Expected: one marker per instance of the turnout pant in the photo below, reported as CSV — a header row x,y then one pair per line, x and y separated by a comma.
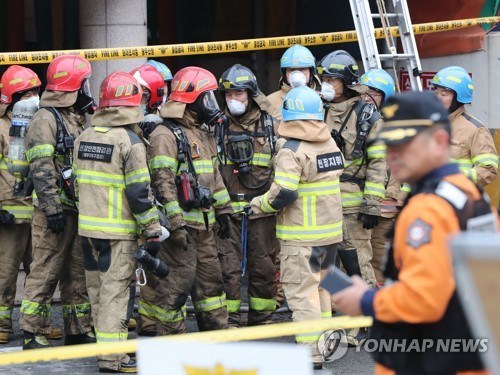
x,y
302,268
110,270
15,248
262,247
194,271
378,242
56,258
355,251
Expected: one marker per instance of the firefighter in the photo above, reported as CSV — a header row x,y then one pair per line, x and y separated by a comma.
x,y
181,158
57,253
298,67
115,205
18,83
354,124
380,88
305,194
153,95
248,146
472,146
421,303
165,73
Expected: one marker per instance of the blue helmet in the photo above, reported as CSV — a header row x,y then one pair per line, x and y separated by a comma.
x,y
162,69
380,80
302,103
297,56
457,79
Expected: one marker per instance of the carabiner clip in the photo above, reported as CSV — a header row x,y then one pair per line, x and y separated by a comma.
x,y
140,276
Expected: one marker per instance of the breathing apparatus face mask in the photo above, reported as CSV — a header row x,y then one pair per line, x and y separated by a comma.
x,y
84,100
239,149
236,107
297,78
208,110
327,91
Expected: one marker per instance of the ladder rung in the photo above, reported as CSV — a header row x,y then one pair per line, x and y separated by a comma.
x,y
399,56
388,15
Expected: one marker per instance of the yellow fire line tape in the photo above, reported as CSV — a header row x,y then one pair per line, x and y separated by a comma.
x,y
38,57
242,334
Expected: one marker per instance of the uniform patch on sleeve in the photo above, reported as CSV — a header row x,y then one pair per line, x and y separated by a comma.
x,y
419,233
329,162
95,151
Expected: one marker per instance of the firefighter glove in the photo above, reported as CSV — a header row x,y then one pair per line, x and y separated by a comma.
x,y
56,222
6,218
152,246
369,221
180,237
224,231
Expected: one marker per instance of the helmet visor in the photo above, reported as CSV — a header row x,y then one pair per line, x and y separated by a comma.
x,y
209,102
86,87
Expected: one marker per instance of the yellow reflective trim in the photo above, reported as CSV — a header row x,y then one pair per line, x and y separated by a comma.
x,y
209,304
318,188
485,160
196,216
264,204
20,212
375,189
102,129
139,175
40,151
287,232
287,180
103,337
163,161
100,178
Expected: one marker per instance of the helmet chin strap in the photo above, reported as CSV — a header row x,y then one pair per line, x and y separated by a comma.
x,y
455,104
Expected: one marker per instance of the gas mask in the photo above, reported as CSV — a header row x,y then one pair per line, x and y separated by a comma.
x,y
240,151
297,78
207,109
236,107
327,91
84,101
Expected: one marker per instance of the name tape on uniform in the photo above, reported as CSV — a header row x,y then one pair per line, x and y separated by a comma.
x,y
42,57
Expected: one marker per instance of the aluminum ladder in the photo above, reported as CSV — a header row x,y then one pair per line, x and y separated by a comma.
x,y
363,21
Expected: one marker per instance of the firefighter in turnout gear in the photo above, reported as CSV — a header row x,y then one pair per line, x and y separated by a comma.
x,y
18,84
247,146
380,88
472,146
57,253
298,68
115,206
353,124
421,304
181,158
153,96
305,195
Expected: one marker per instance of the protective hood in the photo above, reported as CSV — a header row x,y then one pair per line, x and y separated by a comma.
x,y
58,99
337,109
117,116
173,109
262,101
3,109
306,130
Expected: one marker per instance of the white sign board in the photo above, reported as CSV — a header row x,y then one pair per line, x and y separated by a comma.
x,y
186,358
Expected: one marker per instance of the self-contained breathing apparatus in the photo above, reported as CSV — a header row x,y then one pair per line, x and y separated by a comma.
x,y
366,115
239,147
190,192
65,143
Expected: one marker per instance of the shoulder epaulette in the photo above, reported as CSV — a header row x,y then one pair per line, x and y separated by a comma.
x,y
476,122
292,144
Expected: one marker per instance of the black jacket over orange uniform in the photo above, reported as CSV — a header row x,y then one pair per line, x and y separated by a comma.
x,y
422,302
